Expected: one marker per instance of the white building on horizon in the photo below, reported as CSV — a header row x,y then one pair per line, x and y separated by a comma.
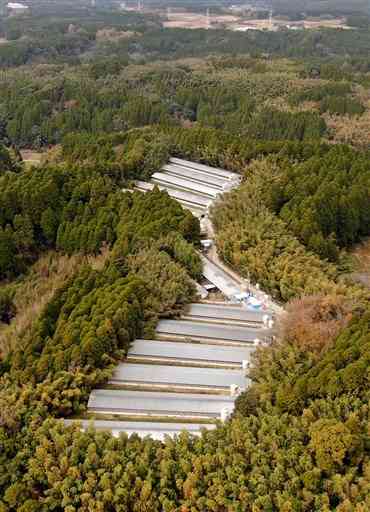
x,y
16,8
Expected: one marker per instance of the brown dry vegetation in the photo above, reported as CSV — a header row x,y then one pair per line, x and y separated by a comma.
x,y
312,322
196,20
34,292
111,34
191,20
53,155
350,130
30,157
361,256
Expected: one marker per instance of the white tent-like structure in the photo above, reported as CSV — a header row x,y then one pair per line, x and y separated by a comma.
x,y
16,6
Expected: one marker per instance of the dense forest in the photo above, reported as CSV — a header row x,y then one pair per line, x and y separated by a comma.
x,y
258,98
80,35
87,264
320,7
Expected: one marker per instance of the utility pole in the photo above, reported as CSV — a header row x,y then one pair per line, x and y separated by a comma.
x,y
304,14
168,13
270,19
208,20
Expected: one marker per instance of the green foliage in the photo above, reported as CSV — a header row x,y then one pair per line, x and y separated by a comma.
x,y
260,246
67,34
8,264
342,106
231,151
342,370
135,154
107,66
303,444
79,211
7,307
359,21
84,147
152,216
86,323
180,250
321,7
326,203
239,62
318,93
7,163
90,321
48,207
273,460
168,288
325,200
62,32
289,43
76,105
276,125
299,438
322,201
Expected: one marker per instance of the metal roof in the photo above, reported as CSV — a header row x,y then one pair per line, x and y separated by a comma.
x,y
205,330
190,351
202,167
196,175
188,197
184,184
240,314
181,375
125,401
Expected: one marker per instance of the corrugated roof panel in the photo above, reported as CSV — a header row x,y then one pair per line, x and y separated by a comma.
x,y
190,351
205,330
124,401
196,175
184,184
227,313
212,170
181,375
188,197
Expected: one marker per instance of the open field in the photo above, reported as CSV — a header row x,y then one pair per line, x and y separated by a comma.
x,y
196,20
191,20
276,24
329,23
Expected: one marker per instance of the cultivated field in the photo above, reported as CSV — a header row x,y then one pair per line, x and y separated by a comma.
x,y
191,20
196,20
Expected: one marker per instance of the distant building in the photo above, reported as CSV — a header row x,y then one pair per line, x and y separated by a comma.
x,y
15,8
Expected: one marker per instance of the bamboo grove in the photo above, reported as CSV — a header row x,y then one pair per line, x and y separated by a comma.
x,y
87,264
